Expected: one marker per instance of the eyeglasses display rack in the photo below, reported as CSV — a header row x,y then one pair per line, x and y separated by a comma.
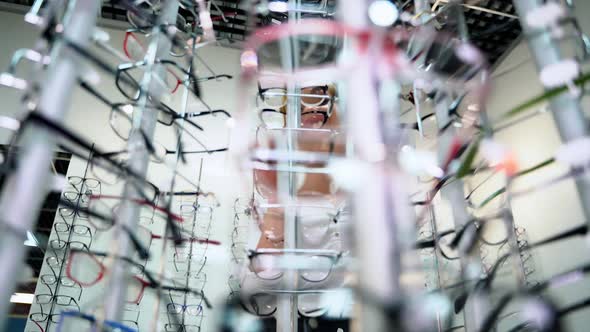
x,y
144,119
23,184
381,192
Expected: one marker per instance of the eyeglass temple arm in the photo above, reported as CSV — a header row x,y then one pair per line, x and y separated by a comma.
x,y
209,69
580,230
189,290
94,92
202,151
107,102
142,251
193,137
506,299
574,307
431,243
36,117
110,154
210,112
214,77
481,284
192,123
97,61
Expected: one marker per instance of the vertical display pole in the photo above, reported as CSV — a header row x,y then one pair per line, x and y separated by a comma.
x,y
454,194
374,212
565,108
287,312
26,188
144,119
471,263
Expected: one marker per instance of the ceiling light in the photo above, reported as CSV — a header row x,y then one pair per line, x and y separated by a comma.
x,y
278,6
383,13
24,298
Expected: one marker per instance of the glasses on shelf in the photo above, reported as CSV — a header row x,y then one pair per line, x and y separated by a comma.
x,y
314,221
87,270
51,281
145,236
129,77
104,213
201,210
79,183
234,287
78,230
313,265
194,280
192,263
131,316
144,16
103,221
82,196
62,300
169,119
307,10
182,328
316,106
135,179
239,234
243,207
239,252
40,317
74,320
189,309
121,116
121,122
134,46
260,304
69,244
81,232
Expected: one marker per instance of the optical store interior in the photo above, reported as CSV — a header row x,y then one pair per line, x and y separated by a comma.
x,y
294,165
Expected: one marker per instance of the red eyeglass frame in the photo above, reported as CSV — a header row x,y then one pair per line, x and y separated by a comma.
x,y
101,275
131,34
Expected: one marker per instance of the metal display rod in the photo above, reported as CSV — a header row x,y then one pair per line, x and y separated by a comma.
x,y
374,214
287,312
144,119
565,108
478,305
26,188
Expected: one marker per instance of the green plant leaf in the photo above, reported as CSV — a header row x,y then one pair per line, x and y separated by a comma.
x,y
548,94
520,173
465,167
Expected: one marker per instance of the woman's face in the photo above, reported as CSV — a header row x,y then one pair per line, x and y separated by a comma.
x,y
316,106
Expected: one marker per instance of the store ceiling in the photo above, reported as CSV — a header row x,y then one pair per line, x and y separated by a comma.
x,y
492,25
